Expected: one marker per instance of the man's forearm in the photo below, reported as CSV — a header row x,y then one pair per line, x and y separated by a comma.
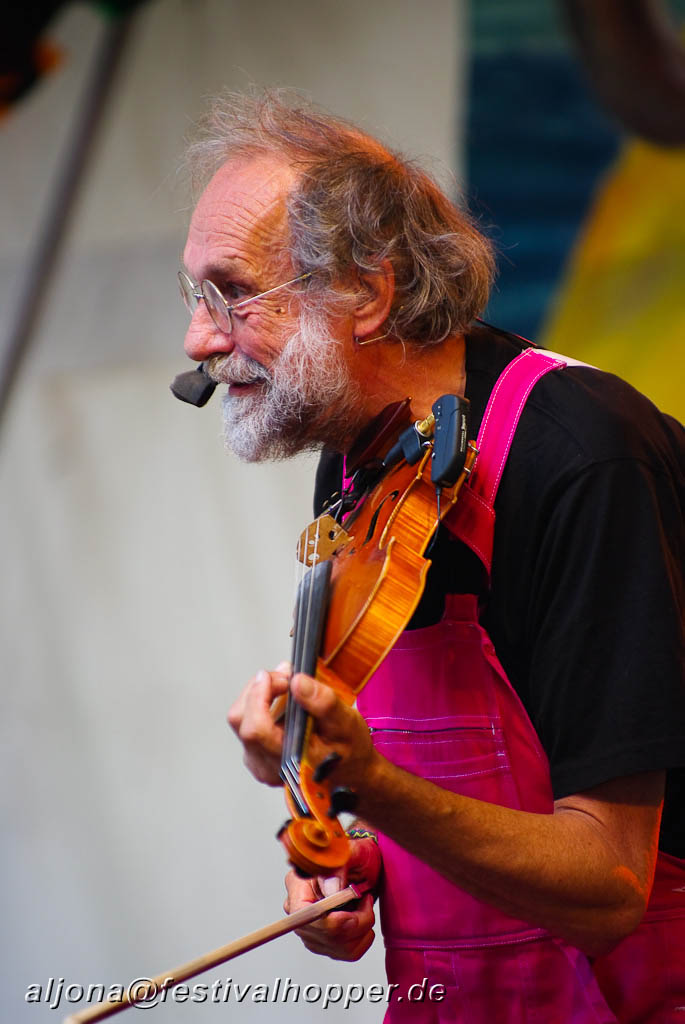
x,y
583,872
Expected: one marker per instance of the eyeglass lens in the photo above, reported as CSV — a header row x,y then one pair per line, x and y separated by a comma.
x,y
216,304
187,290
214,300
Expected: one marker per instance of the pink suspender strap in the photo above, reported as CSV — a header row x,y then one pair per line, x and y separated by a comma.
x,y
473,517
502,415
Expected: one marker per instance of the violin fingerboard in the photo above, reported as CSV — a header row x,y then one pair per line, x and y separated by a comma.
x,y
310,617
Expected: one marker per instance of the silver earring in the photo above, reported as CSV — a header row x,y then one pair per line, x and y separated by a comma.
x,y
379,337
370,341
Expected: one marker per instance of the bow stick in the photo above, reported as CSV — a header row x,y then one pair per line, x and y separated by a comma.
x,y
167,979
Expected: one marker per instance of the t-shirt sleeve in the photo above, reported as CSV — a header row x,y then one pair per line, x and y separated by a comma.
x,y
604,626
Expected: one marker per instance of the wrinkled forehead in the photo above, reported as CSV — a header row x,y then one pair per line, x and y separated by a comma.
x,y
242,209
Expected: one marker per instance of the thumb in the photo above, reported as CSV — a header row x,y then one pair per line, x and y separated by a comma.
x,y
315,697
330,884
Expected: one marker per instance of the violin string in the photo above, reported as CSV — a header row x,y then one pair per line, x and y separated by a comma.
x,y
288,706
287,768
286,756
303,717
301,644
296,717
296,711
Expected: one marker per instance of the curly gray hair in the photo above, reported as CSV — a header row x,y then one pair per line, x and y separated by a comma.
x,y
354,205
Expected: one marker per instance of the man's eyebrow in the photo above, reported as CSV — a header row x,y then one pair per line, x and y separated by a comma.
x,y
228,270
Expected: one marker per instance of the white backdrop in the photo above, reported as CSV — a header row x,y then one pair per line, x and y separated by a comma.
x,y
145,575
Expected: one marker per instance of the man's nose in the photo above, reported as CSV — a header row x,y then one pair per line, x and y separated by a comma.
x,y
204,339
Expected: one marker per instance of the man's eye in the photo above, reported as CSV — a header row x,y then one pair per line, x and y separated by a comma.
x,y
233,292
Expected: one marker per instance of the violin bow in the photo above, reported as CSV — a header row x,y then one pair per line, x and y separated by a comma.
x,y
150,988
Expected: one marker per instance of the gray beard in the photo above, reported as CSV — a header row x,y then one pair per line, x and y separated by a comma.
x,y
305,400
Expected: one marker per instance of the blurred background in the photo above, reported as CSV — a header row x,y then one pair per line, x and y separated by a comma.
x,y
145,574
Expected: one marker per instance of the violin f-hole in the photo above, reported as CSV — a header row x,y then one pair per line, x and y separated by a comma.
x,y
392,496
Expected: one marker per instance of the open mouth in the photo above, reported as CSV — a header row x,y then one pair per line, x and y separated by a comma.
x,y
239,387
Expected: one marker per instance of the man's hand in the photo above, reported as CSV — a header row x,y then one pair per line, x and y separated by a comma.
x,y
342,934
253,722
337,727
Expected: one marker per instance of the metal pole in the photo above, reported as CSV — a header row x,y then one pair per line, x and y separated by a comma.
x,y
52,232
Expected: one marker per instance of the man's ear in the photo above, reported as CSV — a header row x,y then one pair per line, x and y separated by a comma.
x,y
374,308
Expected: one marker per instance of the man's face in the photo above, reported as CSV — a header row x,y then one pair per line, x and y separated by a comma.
x,y
289,388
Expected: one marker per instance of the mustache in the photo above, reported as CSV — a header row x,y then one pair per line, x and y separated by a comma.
x,y
236,369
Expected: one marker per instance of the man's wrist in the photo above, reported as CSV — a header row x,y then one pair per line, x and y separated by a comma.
x,y
361,833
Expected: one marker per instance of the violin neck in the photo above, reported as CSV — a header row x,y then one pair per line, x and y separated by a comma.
x,y
310,617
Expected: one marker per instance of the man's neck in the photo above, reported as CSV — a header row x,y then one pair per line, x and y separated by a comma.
x,y
393,370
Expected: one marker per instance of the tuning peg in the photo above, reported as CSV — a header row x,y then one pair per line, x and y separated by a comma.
x,y
283,828
325,767
342,799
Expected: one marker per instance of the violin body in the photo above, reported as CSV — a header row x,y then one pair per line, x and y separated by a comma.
x,y
377,576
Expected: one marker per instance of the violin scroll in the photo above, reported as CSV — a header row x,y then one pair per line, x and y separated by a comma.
x,y
316,843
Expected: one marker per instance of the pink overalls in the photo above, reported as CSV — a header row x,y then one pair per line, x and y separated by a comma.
x,y
441,707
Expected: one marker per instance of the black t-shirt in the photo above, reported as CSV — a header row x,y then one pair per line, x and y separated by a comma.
x,y
586,602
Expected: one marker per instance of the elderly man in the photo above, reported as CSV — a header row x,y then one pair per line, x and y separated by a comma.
x,y
529,725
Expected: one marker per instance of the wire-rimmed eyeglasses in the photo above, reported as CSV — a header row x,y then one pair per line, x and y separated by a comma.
x,y
219,309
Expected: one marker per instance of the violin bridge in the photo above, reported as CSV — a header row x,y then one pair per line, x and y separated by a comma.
x,y
320,540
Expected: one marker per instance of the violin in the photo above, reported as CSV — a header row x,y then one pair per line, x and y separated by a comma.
x,y
365,577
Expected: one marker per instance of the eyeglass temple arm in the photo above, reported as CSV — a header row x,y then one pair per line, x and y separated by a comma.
x,y
237,305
